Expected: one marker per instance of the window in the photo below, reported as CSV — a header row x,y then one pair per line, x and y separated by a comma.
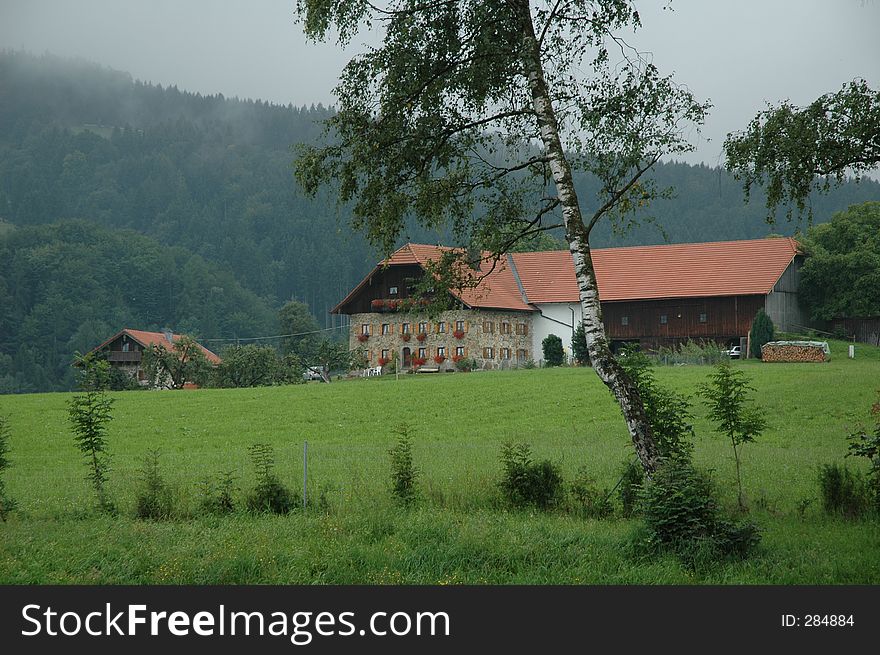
x,y
488,353
522,328
423,328
404,328
522,354
505,327
505,353
441,327
392,291
441,350
386,328
488,327
703,318
365,329
385,354
624,320
423,353
664,319
459,351
125,346
459,326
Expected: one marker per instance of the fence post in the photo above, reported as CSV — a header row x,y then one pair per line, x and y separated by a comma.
x,y
305,472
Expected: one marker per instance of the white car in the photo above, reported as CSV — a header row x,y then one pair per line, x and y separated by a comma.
x,y
734,353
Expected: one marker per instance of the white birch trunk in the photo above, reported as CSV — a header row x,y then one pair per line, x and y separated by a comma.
x,y
607,368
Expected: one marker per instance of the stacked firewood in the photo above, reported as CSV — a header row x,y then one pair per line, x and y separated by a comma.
x,y
787,351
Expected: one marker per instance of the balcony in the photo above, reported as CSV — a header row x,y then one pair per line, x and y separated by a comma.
x,y
133,356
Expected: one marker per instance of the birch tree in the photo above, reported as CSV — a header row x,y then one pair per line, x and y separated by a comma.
x,y
476,115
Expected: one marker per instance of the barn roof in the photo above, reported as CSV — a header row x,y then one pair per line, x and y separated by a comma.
x,y
683,270
147,339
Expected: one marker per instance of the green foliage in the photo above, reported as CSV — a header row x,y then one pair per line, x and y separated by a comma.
x,y
579,346
668,412
762,331
690,352
218,493
269,495
841,276
89,412
295,318
629,487
6,503
863,443
153,501
792,151
843,491
403,471
525,483
587,499
680,510
551,347
252,365
184,363
466,364
734,413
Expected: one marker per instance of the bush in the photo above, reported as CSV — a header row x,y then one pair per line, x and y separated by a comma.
x,y
154,497
681,515
863,443
761,333
526,483
551,346
691,352
403,471
218,494
579,346
465,364
6,503
630,487
587,499
269,495
843,491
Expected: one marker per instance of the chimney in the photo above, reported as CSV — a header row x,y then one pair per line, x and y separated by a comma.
x,y
169,336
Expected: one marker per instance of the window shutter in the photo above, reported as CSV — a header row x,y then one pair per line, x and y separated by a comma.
x,y
525,329
467,326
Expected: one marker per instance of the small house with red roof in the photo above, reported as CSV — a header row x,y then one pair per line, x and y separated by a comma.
x,y
125,349
650,295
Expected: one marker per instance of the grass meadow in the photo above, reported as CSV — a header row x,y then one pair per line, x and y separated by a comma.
x,y
459,532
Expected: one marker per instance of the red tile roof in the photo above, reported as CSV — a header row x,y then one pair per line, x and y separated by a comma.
x,y
147,339
684,270
498,290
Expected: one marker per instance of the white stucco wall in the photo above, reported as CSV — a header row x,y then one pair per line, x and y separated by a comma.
x,y
545,324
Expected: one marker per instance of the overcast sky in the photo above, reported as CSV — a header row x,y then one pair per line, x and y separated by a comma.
x,y
738,53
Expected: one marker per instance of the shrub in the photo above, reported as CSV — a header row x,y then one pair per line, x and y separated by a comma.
x,y
551,346
89,413
863,443
587,499
761,333
579,346
218,493
403,470
629,487
691,352
269,495
464,363
527,483
681,515
734,414
153,499
843,491
6,503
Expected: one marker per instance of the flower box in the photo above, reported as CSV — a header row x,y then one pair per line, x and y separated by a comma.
x,y
363,337
439,359
405,336
458,334
457,358
419,361
383,361
421,336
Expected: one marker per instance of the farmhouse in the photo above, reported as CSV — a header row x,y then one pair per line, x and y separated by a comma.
x,y
124,350
650,295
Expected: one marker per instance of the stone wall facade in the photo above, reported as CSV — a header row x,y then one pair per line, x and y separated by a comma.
x,y
495,339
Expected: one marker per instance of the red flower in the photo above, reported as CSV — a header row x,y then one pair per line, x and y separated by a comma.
x,y
457,358
363,337
458,334
383,361
377,304
419,361
405,336
421,336
439,358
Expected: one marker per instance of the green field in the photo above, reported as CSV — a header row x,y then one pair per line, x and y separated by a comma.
x,y
460,531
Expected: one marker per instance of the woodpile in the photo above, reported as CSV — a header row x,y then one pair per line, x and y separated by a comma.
x,y
795,351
